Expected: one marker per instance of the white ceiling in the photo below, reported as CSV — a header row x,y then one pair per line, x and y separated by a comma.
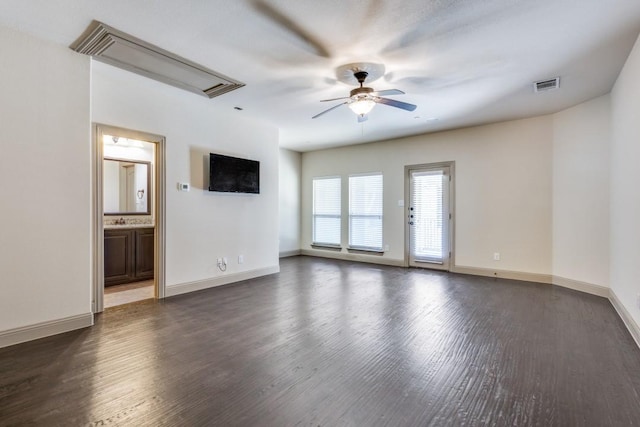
x,y
463,62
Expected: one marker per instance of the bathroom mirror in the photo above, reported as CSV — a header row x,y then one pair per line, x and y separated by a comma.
x,y
126,187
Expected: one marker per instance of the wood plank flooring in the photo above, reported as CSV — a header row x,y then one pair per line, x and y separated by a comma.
x,y
333,343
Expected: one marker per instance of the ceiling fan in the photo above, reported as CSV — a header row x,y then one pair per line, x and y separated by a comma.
x,y
362,99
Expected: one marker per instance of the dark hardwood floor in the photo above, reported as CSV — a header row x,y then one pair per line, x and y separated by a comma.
x,y
331,343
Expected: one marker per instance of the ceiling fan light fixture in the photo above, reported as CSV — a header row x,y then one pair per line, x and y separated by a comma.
x,y
361,100
362,106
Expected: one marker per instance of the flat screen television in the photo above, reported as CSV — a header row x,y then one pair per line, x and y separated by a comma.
x,y
233,175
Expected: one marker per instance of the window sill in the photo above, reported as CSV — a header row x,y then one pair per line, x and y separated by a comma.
x,y
378,252
336,248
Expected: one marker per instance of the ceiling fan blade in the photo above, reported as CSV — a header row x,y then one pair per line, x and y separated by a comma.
x,y
397,104
335,99
387,92
326,111
288,24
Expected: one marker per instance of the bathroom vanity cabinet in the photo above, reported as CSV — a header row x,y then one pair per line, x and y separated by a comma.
x,y
128,255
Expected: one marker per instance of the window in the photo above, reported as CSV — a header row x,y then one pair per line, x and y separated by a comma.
x,y
326,211
365,212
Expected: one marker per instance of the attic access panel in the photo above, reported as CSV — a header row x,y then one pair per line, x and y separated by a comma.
x,y
111,46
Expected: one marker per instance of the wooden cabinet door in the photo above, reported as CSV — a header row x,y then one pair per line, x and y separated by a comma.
x,y
118,257
144,253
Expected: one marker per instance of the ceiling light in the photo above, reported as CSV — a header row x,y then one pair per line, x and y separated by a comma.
x,y
118,141
362,106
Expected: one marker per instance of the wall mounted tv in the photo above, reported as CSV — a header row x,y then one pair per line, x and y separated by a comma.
x,y
233,175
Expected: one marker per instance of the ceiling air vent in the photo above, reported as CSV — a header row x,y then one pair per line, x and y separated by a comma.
x,y
546,85
119,49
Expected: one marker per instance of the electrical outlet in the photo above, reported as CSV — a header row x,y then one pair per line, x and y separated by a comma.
x,y
240,259
224,260
496,256
219,261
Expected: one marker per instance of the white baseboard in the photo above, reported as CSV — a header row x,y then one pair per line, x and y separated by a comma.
x,y
631,324
286,254
549,279
226,279
589,288
371,259
45,329
503,274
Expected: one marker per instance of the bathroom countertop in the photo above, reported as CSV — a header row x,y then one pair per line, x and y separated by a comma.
x,y
125,226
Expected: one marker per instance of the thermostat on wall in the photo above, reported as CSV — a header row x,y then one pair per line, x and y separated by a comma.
x,y
183,186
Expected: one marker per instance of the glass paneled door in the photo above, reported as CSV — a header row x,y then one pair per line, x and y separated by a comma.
x,y
428,217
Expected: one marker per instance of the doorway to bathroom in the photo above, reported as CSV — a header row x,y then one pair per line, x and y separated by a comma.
x,y
128,217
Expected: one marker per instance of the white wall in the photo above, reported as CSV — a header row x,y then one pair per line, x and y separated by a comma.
x,y
581,143
45,182
201,226
290,173
625,186
503,190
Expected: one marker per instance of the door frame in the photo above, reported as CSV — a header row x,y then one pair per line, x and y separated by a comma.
x,y
98,130
452,204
